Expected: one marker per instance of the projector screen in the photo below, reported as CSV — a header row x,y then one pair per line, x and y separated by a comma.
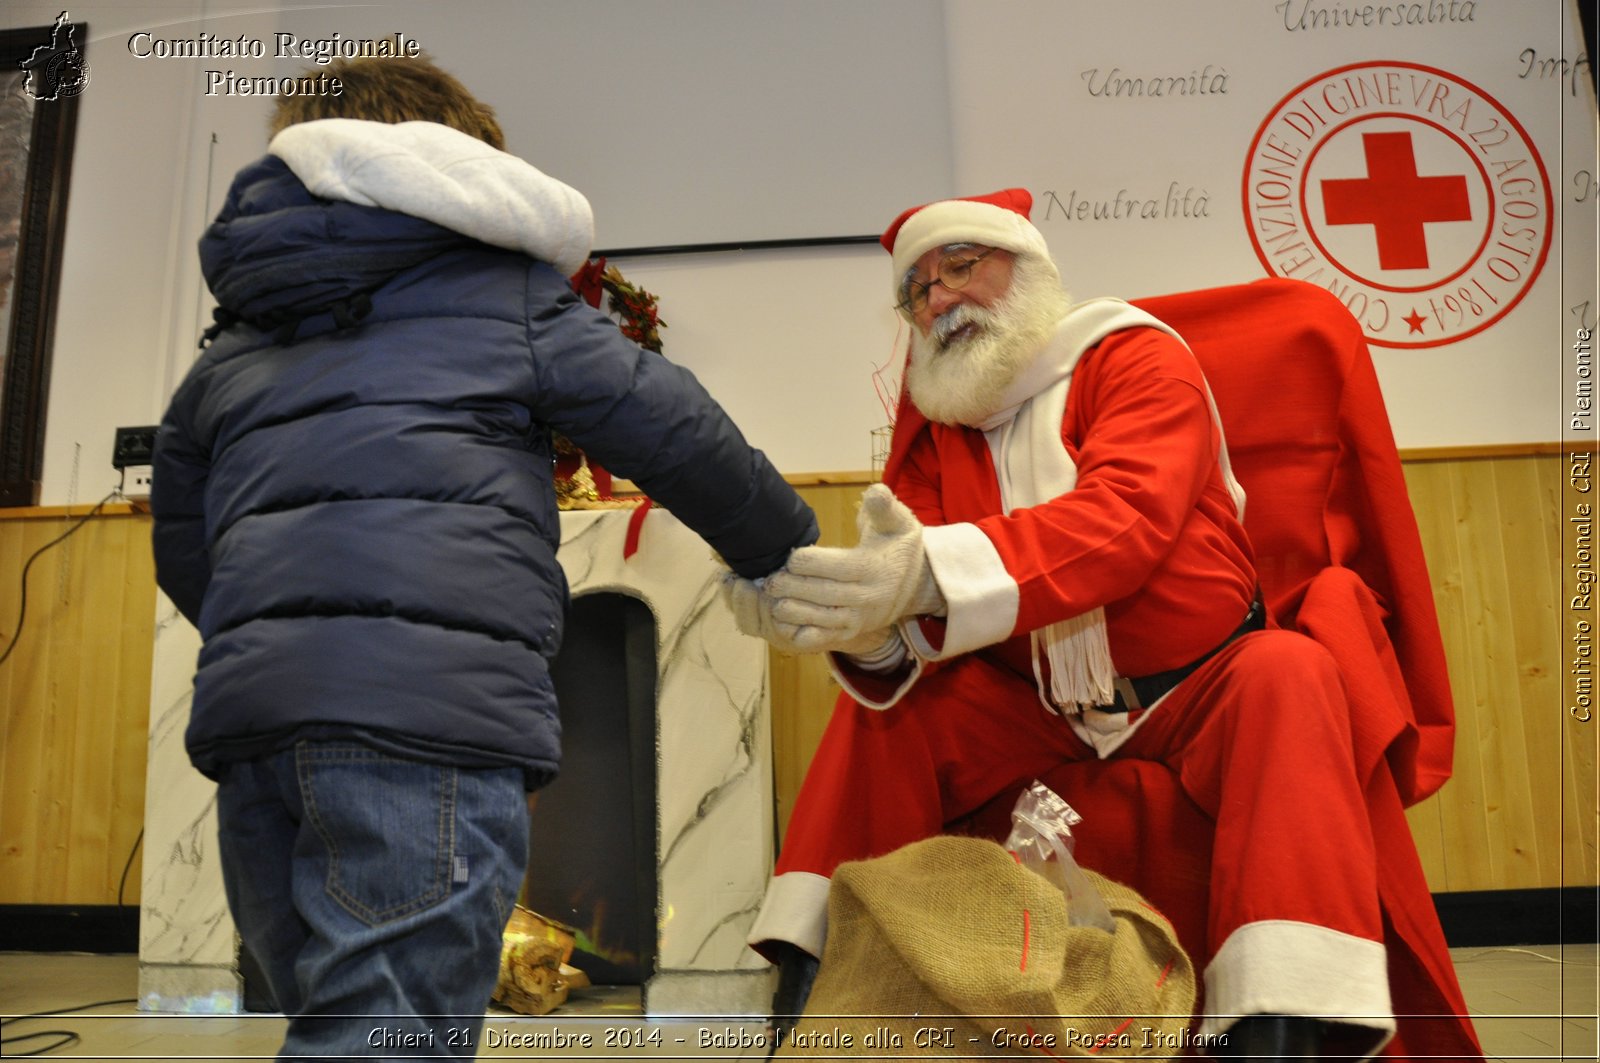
x,y
699,121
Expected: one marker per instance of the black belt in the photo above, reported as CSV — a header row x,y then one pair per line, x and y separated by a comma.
x,y
1142,691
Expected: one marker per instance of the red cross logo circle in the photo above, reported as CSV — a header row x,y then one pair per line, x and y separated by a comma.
x,y
1409,193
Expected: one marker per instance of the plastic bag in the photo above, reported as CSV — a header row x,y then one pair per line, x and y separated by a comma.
x,y
1041,840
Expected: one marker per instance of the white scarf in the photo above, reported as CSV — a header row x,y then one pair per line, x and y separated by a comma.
x,y
1033,466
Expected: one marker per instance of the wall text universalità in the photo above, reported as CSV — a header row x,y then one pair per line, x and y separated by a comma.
x,y
1320,15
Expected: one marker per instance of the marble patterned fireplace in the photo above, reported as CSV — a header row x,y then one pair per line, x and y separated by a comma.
x,y
713,809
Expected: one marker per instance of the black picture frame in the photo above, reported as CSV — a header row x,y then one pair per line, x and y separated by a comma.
x,y
42,70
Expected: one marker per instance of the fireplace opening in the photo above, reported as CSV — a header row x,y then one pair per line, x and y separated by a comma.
x,y
592,841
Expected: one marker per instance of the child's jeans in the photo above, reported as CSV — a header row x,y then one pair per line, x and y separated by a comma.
x,y
374,892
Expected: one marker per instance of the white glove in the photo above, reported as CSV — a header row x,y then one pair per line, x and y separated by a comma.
x,y
851,596
752,613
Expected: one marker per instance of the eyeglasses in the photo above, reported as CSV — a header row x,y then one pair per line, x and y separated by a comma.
x,y
953,271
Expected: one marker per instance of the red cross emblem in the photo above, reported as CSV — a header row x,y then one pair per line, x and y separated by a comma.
x,y
1408,192
1395,200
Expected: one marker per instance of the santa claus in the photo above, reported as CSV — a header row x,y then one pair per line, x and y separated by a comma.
x,y
1056,568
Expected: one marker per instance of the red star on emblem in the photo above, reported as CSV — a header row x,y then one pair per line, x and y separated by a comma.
x,y
1415,320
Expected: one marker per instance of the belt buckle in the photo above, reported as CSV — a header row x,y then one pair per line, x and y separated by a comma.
x,y
1124,687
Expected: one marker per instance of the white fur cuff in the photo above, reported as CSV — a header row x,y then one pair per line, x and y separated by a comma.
x,y
981,597
795,910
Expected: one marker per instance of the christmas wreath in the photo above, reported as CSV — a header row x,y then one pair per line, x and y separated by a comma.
x,y
634,308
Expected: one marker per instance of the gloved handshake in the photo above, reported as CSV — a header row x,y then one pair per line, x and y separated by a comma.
x,y
828,599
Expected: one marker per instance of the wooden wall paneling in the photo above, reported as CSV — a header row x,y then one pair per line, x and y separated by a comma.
x,y
88,613
1579,816
835,506
1580,850
1530,540
1580,785
15,739
1520,806
1459,802
76,707
1433,505
803,693
101,676
10,690
1427,830
1427,818
70,783
1500,727
117,614
24,812
131,756
1475,835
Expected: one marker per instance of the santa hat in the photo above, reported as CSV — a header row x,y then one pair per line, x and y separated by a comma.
x,y
999,219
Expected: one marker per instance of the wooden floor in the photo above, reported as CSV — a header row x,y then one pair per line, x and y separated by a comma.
x,y
1534,1003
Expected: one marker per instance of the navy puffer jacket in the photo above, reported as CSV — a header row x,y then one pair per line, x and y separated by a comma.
x,y
353,490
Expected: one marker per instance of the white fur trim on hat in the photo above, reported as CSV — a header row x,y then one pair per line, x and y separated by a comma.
x,y
962,221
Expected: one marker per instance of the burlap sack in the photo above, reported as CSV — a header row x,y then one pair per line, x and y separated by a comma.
x,y
949,948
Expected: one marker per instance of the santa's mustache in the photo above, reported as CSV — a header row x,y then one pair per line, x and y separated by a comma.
x,y
944,328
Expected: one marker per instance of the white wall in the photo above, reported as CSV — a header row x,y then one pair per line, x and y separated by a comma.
x,y
130,308
1050,117
789,339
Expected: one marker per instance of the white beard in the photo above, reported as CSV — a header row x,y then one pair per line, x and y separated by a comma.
x,y
960,379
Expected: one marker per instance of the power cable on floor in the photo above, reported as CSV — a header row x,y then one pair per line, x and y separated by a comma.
x,y
1481,952
65,1037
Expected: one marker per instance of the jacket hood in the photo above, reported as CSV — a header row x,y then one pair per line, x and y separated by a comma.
x,y
430,171
339,206
276,254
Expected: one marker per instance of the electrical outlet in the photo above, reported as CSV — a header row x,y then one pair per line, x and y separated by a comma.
x,y
133,446
136,482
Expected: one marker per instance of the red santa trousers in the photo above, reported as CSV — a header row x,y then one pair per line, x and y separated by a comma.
x,y
1260,739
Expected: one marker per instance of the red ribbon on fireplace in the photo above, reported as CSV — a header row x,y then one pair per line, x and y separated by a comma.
x,y
630,544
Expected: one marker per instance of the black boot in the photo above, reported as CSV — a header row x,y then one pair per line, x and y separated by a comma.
x,y
1295,1037
797,970
1270,1037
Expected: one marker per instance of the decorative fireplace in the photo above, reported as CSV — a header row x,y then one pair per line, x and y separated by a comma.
x,y
711,824
592,841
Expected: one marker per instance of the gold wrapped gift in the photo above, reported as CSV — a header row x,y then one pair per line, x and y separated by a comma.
x,y
535,977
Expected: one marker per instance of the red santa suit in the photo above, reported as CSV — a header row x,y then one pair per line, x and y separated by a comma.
x,y
1147,554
